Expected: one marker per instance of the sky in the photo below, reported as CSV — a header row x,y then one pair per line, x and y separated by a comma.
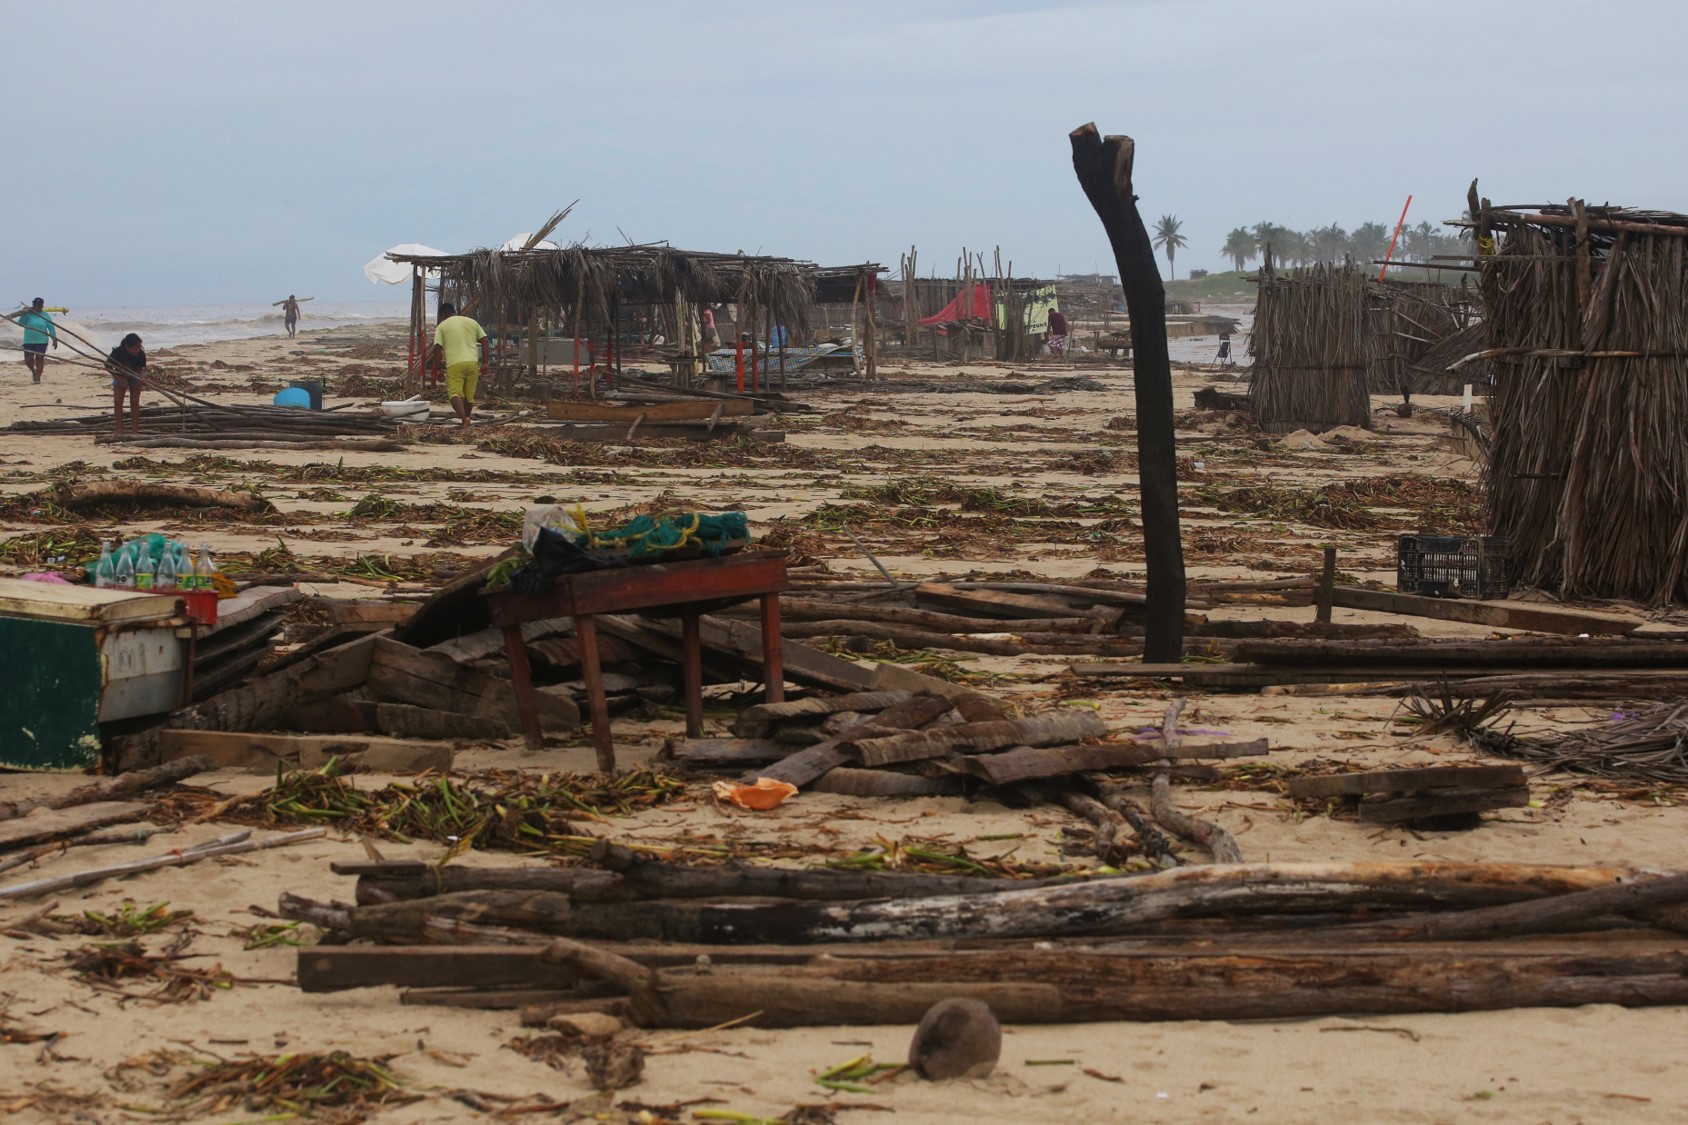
x,y
186,152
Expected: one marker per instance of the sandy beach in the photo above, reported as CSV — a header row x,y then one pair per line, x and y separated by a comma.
x,y
367,524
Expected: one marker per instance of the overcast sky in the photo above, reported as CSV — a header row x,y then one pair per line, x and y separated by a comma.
x,y
176,152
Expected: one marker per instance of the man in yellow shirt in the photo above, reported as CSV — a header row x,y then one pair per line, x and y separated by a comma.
x,y
463,344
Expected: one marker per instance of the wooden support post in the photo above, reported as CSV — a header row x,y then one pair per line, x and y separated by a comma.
x,y
773,652
691,646
1104,166
586,631
521,678
1327,587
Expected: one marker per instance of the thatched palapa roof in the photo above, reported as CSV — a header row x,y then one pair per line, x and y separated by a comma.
x,y
600,278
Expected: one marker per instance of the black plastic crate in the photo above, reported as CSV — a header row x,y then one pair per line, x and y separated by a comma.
x,y
1452,566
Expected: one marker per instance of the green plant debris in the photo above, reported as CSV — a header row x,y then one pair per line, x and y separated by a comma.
x,y
504,810
130,920
294,1085
936,858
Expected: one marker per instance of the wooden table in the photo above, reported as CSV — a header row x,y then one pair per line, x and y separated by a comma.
x,y
685,590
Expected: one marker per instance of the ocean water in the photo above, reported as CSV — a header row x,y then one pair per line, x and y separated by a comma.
x,y
164,326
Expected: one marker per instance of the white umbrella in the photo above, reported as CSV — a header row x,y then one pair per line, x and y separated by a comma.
x,y
382,270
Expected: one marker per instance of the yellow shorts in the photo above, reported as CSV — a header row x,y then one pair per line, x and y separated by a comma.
x,y
461,380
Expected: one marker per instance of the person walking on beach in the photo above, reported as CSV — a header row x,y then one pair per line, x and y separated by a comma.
x,y
1224,356
127,364
463,344
38,328
290,315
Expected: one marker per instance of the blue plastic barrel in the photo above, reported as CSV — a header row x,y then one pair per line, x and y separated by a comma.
x,y
294,396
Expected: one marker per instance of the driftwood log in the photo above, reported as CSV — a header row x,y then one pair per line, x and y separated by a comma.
x,y
936,742
1065,986
128,785
1209,835
1101,907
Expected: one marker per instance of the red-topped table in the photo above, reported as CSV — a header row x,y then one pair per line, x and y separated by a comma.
x,y
679,589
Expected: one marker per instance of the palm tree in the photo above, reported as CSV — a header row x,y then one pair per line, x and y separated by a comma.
x,y
1369,242
1167,238
1329,243
1240,247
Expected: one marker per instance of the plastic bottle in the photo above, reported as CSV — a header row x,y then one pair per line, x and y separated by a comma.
x,y
124,573
165,579
204,570
105,571
184,567
145,571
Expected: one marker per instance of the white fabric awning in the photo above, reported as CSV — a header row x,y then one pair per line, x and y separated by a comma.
x,y
382,270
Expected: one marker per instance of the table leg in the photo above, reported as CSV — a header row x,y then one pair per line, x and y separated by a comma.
x,y
773,659
691,652
521,679
587,631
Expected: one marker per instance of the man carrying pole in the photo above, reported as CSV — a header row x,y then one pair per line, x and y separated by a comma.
x,y
38,328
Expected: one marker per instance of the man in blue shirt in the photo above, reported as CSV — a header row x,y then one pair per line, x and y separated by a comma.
x,y
38,328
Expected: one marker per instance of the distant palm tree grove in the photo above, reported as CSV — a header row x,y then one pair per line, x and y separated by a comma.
x,y
1364,244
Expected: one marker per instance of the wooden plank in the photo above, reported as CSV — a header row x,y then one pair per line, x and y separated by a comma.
x,y
993,603
743,641
254,602
401,720
1407,780
567,410
724,751
494,999
1262,675
1476,656
43,825
884,783
1447,802
1023,763
690,431
247,750
370,611
88,604
487,642
401,674
758,720
334,968
1500,615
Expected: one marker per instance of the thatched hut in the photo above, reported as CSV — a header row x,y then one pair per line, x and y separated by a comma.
x,y
1588,339
1309,347
1405,320
605,304
1328,337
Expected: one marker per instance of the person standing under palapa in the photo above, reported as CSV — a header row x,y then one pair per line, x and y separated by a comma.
x,y
290,315
463,344
127,364
38,328
1058,333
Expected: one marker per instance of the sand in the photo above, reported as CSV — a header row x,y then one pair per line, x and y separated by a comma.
x,y
1592,1064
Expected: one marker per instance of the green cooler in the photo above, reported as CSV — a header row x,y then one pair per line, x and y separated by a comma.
x,y
78,657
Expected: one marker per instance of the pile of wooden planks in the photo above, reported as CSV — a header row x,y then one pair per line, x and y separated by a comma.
x,y
668,946
204,425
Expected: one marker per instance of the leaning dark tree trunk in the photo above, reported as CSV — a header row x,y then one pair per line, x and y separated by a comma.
x,y
1103,165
